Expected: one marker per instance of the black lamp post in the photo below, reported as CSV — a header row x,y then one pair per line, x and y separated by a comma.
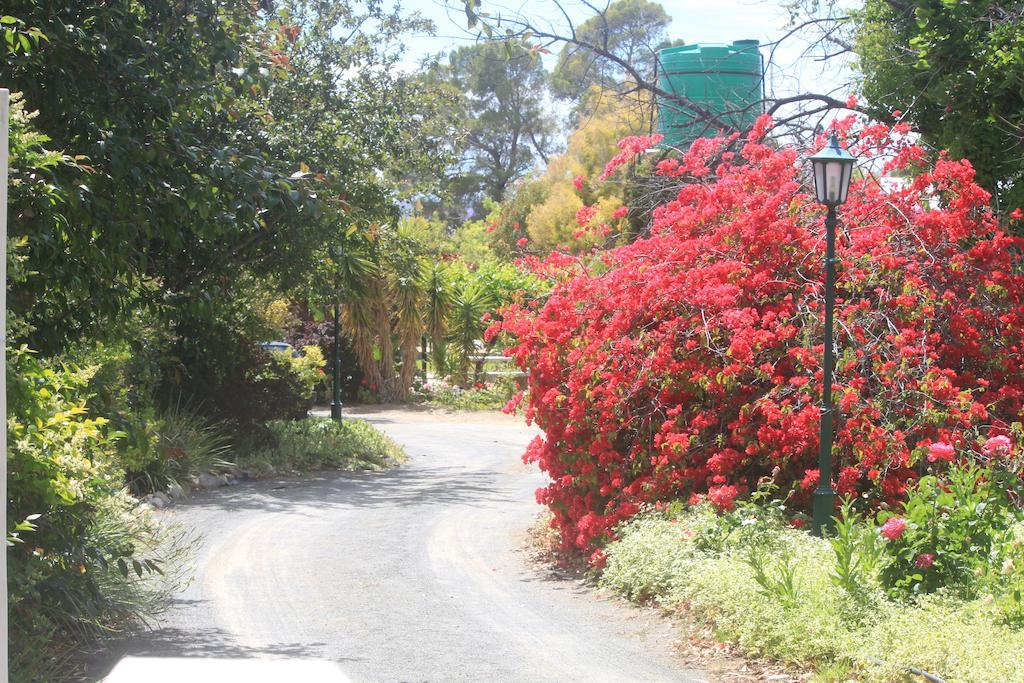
x,y
336,401
833,167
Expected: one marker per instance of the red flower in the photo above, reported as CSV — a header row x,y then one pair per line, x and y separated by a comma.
x,y
893,528
522,241
678,363
924,560
1016,214
722,497
620,212
585,215
577,182
941,451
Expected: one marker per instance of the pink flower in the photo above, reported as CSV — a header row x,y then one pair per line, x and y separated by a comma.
x,y
893,528
1016,214
522,241
941,451
997,445
924,560
620,212
577,182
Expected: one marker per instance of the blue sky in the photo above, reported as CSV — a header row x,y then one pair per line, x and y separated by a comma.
x,y
694,21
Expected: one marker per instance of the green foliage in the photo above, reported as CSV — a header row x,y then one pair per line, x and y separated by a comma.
x,y
81,561
797,612
630,30
216,365
251,150
964,521
308,366
318,443
480,396
859,553
953,70
187,444
500,89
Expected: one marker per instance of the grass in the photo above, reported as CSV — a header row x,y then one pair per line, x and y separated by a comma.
x,y
793,611
320,443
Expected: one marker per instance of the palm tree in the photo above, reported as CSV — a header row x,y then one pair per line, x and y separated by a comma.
x,y
438,295
467,326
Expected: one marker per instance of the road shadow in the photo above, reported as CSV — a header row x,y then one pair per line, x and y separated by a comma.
x,y
420,487
194,643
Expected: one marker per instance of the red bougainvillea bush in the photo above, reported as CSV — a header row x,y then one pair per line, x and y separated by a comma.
x,y
689,363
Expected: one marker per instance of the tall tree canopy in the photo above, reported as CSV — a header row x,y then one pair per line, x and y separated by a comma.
x,y
501,88
955,71
199,140
628,32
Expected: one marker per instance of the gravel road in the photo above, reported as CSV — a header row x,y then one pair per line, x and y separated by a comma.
x,y
415,574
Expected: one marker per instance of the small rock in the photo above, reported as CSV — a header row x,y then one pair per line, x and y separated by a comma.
x,y
208,481
174,490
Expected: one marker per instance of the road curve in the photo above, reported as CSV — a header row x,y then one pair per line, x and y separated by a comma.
x,y
415,574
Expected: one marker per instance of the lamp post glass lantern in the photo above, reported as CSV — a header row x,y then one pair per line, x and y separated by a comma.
x,y
833,168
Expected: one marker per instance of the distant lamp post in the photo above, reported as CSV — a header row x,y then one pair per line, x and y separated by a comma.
x,y
336,401
833,167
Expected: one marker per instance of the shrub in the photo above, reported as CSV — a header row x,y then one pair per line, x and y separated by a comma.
x,y
308,367
83,562
951,532
187,444
480,396
320,333
690,362
317,443
254,386
807,619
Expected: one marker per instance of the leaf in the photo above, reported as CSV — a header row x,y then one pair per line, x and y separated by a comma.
x,y
122,567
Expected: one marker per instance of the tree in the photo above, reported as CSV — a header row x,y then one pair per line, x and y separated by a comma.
x,y
570,181
506,128
200,142
954,71
632,30
796,113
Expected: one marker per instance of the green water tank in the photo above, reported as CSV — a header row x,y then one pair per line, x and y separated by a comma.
x,y
727,80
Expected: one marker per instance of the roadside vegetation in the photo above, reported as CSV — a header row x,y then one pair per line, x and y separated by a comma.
x,y
216,176
320,443
479,396
935,587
